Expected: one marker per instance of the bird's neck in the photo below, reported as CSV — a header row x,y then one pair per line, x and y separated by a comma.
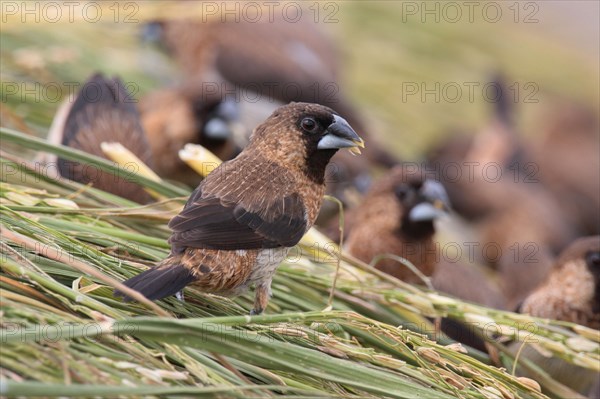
x,y
417,230
316,165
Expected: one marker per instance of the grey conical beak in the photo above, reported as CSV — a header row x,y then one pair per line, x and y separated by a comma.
x,y
217,129
152,32
228,110
425,212
341,135
223,121
436,203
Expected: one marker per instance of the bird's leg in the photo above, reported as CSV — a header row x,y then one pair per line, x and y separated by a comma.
x,y
179,296
261,298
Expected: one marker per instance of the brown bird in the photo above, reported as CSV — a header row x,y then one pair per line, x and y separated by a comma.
x,y
571,293
240,222
103,111
396,217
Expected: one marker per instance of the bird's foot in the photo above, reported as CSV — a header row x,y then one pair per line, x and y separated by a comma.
x,y
179,296
256,312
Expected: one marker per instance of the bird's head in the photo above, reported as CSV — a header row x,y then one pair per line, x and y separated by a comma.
x,y
586,252
422,201
579,268
592,260
572,290
304,137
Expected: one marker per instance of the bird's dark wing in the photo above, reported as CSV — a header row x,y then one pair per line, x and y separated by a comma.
x,y
214,225
246,211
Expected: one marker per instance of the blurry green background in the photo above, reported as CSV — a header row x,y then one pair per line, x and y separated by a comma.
x,y
550,45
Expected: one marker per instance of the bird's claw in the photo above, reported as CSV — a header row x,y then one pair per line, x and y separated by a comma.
x,y
179,296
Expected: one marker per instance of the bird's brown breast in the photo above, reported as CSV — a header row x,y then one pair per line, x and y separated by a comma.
x,y
376,231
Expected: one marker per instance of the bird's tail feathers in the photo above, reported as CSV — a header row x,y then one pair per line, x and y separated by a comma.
x,y
104,111
159,282
503,107
105,106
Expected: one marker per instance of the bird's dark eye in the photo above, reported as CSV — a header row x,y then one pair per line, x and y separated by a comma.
x,y
593,259
309,125
416,184
401,191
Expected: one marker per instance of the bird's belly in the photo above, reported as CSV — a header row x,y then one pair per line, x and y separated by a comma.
x,y
231,273
267,262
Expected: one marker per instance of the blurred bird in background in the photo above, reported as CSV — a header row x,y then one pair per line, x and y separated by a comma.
x,y
570,293
512,210
472,282
175,116
523,235
495,143
397,217
566,153
102,111
572,290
